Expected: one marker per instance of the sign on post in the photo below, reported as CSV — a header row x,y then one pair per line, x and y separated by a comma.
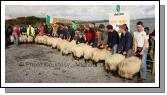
x,y
119,18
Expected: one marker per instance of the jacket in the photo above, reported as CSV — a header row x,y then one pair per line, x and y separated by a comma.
x,y
125,42
31,32
113,38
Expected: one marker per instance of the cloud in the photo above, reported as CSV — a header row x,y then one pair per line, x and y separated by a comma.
x,y
84,12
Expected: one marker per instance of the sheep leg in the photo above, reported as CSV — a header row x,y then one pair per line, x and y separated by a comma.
x,y
107,70
62,54
77,59
86,60
95,63
124,79
114,73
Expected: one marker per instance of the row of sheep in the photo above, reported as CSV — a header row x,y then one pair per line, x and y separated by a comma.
x,y
23,39
125,67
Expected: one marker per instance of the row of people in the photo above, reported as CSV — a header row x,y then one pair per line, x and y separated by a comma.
x,y
103,37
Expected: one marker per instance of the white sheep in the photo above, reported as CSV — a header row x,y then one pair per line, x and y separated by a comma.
x,y
49,41
11,39
88,50
99,55
112,61
59,44
42,39
72,45
23,39
54,42
104,53
78,51
129,66
64,47
36,39
29,39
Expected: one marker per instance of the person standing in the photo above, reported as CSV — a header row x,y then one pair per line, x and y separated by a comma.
x,y
80,38
113,39
152,52
94,36
125,42
16,33
102,36
141,48
46,29
55,29
88,33
50,29
31,31
42,30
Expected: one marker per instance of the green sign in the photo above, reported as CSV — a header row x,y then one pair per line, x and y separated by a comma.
x,y
47,19
118,8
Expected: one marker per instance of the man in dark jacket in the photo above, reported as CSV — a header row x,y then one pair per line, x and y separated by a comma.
x,y
113,39
125,42
46,29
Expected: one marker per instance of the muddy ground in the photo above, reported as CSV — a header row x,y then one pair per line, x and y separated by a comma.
x,y
31,63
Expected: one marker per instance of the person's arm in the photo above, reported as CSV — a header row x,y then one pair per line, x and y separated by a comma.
x,y
28,31
120,45
144,46
33,32
134,42
108,40
115,39
128,42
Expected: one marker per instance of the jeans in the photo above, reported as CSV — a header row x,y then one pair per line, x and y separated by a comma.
x,y
129,53
143,70
114,49
16,38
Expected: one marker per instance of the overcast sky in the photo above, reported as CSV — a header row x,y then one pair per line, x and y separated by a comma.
x,y
84,12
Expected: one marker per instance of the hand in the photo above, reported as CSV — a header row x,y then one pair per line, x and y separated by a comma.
x,y
101,46
119,51
106,46
142,52
109,49
124,53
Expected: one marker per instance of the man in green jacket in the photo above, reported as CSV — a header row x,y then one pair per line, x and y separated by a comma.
x,y
30,31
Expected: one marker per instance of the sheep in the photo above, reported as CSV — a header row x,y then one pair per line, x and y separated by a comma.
x,y
23,39
78,51
112,62
42,39
29,39
129,67
11,39
54,42
38,39
60,42
72,45
99,55
64,47
88,50
104,54
49,41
